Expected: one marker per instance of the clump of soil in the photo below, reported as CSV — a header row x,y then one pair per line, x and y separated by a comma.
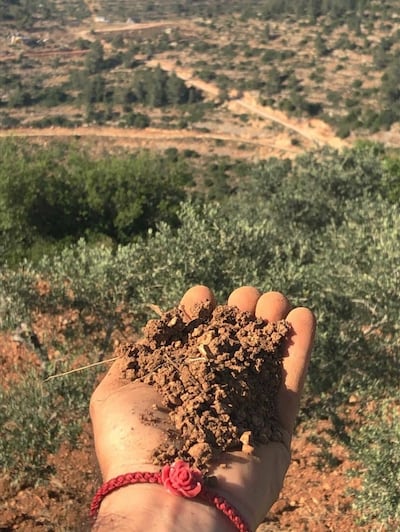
x,y
218,376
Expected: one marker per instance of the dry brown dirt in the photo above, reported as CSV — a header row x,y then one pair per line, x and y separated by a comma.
x,y
218,376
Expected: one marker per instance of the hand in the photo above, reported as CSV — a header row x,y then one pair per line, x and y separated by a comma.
x,y
124,443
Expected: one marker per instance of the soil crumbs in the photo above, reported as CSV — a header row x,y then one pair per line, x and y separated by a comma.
x,y
217,374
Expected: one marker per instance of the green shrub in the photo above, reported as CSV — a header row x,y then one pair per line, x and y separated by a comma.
x,y
237,245
391,179
18,295
61,192
7,121
36,417
324,229
377,445
157,88
138,120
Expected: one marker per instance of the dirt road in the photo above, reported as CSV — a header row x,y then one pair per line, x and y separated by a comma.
x,y
101,28
316,131
152,138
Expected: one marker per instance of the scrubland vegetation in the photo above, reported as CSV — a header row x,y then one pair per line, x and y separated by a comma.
x,y
91,237
336,60
323,228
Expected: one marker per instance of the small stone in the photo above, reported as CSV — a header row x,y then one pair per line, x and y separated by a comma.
x,y
247,449
246,438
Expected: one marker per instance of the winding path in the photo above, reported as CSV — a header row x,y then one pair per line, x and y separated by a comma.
x,y
315,131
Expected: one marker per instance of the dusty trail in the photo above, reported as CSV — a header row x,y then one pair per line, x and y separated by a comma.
x,y
315,131
146,137
99,28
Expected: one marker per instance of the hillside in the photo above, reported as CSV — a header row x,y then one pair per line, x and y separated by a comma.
x,y
149,146
323,75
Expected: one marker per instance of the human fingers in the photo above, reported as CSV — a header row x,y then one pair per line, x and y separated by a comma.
x,y
272,306
295,364
244,298
194,298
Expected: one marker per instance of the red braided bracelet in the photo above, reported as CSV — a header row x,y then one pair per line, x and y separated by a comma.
x,y
179,479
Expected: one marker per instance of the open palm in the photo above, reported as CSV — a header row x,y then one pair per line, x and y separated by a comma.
x,y
125,443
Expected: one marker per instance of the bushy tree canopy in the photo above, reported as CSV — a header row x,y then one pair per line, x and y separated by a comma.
x,y
62,193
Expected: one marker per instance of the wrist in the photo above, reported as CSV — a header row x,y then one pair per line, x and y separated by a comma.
x,y
135,501
150,507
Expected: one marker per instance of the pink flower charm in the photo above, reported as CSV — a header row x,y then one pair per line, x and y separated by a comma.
x,y
181,479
